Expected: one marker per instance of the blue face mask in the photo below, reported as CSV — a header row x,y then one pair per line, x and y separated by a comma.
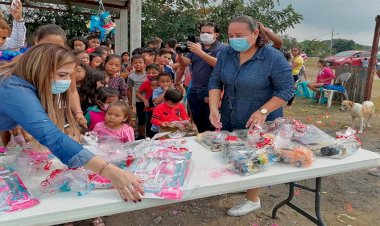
x,y
240,44
60,86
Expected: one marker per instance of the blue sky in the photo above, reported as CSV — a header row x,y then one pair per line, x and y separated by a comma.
x,y
350,19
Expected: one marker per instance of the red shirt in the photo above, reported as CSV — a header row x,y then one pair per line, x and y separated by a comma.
x,y
164,113
325,73
146,89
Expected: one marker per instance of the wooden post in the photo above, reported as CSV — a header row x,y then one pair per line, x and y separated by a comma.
x,y
372,62
121,36
135,32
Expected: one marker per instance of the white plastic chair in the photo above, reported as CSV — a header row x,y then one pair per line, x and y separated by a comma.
x,y
329,94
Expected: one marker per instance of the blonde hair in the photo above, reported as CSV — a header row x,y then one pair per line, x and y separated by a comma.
x,y
38,66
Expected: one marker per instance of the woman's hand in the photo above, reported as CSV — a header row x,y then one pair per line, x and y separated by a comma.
x,y
130,187
16,10
215,118
81,119
256,118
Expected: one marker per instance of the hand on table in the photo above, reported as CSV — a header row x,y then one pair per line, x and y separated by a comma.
x,y
215,118
256,118
130,187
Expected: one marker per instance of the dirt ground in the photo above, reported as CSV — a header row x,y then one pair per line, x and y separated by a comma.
x,y
356,194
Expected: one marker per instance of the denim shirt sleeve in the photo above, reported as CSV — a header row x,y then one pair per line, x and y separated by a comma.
x,y
20,104
215,82
282,78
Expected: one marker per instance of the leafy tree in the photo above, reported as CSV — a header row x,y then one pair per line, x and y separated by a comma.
x,y
288,42
315,48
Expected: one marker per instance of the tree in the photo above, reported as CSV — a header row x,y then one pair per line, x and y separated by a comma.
x,y
315,48
289,42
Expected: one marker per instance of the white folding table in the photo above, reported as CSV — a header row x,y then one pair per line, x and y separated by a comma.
x,y
208,178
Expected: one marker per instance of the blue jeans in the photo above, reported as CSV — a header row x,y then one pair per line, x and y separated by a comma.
x,y
200,110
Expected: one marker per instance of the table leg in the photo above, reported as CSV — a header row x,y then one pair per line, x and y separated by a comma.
x,y
317,191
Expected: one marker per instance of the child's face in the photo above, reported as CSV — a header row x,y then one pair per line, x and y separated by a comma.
x,y
164,59
152,73
170,103
138,64
154,85
115,117
96,62
111,99
84,58
149,59
125,58
165,82
93,43
80,73
4,33
79,45
113,66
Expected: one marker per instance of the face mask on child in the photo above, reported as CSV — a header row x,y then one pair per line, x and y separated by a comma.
x,y
60,86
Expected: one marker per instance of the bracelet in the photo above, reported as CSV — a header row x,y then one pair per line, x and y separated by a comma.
x,y
103,167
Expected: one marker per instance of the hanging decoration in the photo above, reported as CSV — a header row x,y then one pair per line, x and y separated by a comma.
x,y
102,23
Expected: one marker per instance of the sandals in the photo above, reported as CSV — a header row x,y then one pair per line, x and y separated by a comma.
x,y
98,221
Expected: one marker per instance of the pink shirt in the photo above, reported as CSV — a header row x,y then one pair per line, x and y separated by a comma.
x,y
325,73
124,134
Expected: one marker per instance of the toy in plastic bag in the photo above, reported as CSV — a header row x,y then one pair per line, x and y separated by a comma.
x,y
99,181
13,193
298,156
314,136
219,141
346,144
32,160
65,180
164,172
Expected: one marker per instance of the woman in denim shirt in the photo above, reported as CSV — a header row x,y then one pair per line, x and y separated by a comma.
x,y
257,81
34,95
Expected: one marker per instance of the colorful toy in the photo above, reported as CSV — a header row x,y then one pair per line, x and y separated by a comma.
x,y
8,55
13,193
99,181
299,156
39,160
3,150
65,180
102,23
219,141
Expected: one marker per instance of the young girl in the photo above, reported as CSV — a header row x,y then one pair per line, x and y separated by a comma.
x,y
114,124
96,113
112,68
96,61
324,77
80,73
79,43
83,56
126,67
94,80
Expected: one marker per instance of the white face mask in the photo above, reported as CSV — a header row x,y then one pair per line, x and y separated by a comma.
x,y
207,39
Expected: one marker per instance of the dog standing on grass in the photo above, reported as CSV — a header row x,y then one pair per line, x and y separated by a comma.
x,y
364,112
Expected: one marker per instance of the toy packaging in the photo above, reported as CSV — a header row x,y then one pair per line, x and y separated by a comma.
x,y
164,170
219,141
13,193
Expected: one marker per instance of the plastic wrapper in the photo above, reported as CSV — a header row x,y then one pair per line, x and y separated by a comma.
x,y
99,181
219,141
164,172
299,156
3,151
13,193
65,180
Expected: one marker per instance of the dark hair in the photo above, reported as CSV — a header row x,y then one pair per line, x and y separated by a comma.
x,y
106,92
90,37
77,52
323,62
112,56
253,25
135,57
173,95
172,43
88,91
287,56
149,51
154,79
85,42
210,24
137,51
102,48
124,53
165,51
155,41
50,29
94,54
163,74
153,66
123,105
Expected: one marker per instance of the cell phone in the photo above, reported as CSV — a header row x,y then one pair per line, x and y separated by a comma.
x,y
191,38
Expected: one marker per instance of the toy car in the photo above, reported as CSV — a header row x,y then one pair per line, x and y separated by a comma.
x,y
299,156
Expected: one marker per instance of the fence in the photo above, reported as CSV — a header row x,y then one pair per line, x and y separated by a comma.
x,y
356,84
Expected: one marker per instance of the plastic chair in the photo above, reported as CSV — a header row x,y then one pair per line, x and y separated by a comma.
x,y
329,93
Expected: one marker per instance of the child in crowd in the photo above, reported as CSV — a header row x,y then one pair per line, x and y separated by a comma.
x,y
126,67
79,43
83,56
103,51
96,61
135,79
114,80
165,82
115,123
324,77
94,80
96,113
145,94
80,73
50,33
163,59
169,111
149,55
93,42
15,37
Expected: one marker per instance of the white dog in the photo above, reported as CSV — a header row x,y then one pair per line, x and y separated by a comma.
x,y
364,112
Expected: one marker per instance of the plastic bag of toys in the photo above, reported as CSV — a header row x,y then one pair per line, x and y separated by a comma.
x,y
218,141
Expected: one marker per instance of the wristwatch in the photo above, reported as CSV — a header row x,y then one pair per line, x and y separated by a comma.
x,y
264,111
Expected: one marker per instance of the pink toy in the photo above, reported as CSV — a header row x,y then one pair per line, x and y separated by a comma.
x,y
99,181
3,150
